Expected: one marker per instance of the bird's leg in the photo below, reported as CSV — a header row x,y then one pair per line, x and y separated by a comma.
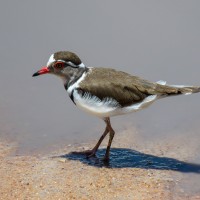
x,y
111,136
92,152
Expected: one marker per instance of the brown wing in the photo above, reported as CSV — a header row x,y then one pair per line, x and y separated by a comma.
x,y
126,89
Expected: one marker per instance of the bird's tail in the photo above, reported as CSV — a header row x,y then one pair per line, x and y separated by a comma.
x,y
186,89
178,89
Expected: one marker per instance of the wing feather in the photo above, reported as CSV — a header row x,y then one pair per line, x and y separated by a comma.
x,y
109,83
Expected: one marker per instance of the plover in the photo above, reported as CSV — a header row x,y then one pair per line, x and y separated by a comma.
x,y
106,92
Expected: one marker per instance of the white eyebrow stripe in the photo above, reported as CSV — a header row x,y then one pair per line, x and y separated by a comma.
x,y
62,61
71,64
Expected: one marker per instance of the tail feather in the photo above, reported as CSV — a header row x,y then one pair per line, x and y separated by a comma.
x,y
165,89
187,89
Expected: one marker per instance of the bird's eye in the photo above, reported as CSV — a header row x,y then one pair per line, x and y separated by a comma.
x,y
59,65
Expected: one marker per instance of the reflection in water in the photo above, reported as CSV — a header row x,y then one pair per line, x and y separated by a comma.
x,y
127,158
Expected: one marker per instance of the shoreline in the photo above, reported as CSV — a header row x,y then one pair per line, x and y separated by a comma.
x,y
60,175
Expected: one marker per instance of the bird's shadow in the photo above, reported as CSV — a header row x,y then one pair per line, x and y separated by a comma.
x,y
128,158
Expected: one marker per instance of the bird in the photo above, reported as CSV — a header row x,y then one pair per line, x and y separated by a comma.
x,y
106,92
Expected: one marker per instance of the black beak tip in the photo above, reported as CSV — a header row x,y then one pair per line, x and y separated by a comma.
x,y
35,74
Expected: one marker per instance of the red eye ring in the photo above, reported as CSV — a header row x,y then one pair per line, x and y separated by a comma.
x,y
59,65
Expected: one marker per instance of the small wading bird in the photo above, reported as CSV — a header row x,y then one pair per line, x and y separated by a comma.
x,y
105,92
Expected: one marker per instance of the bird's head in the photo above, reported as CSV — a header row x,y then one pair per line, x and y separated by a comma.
x,y
64,64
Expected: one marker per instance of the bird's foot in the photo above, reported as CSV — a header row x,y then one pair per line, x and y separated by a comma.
x,y
105,159
88,153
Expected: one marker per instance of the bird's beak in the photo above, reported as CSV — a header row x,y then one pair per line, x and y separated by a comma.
x,y
44,70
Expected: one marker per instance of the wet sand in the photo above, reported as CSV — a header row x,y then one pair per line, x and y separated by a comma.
x,y
145,173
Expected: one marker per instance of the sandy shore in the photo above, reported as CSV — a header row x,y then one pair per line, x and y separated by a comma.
x,y
61,175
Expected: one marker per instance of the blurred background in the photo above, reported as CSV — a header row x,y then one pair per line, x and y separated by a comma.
x,y
157,40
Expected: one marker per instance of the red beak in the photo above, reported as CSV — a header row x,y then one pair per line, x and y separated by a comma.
x,y
44,70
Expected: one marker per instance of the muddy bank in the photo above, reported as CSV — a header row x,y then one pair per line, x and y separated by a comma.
x,y
153,173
